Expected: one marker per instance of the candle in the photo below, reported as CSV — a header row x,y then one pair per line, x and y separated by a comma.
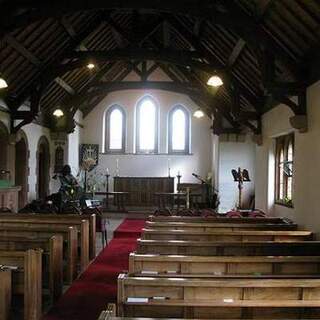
x,y
107,170
117,163
179,173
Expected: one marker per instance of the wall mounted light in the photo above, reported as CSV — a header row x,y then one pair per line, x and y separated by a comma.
x,y
58,113
215,81
198,114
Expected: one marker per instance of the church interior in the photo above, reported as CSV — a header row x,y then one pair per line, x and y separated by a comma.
x,y
159,160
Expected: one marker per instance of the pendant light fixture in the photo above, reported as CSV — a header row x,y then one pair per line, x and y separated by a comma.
x,y
3,82
198,113
215,81
58,113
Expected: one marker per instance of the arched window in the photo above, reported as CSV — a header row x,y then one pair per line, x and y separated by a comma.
x,y
115,129
179,128
284,169
147,126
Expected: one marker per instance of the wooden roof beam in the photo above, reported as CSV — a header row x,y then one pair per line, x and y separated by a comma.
x,y
71,32
236,53
45,69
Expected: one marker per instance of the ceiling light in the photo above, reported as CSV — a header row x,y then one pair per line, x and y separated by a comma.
x,y
58,113
90,66
215,81
3,83
198,113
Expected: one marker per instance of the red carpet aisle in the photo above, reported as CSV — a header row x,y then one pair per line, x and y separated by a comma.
x,y
97,286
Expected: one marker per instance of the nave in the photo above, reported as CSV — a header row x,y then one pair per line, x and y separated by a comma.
x,y
267,272
159,159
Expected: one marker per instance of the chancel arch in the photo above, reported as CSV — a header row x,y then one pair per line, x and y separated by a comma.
x,y
147,125
43,167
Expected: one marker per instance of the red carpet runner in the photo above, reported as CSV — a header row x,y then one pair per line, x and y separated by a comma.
x,y
97,286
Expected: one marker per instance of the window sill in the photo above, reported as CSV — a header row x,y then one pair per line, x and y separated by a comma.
x,y
145,154
279,203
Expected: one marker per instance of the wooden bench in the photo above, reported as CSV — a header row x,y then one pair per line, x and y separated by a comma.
x,y
220,219
5,293
68,219
81,225
241,236
218,299
211,226
70,236
52,263
210,248
26,280
171,265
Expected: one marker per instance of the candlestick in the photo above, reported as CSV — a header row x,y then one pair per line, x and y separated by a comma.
x,y
117,167
179,179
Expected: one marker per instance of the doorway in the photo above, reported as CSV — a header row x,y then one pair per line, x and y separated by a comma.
x,y
21,170
4,142
43,159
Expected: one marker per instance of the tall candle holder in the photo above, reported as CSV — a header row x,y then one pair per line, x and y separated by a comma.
x,y
107,189
179,180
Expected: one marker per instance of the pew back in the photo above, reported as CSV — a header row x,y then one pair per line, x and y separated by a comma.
x,y
241,236
220,219
210,248
207,298
171,265
68,219
5,293
52,257
70,236
81,225
27,279
211,226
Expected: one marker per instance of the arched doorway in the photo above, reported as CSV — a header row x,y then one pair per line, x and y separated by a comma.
x,y
43,164
21,168
4,143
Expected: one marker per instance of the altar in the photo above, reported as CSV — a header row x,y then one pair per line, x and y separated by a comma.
x,y
142,190
9,198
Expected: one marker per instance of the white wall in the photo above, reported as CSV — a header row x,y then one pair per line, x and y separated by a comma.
x,y
200,161
306,191
34,132
234,154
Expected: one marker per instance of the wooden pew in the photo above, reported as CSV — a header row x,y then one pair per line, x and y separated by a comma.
x,y
222,219
63,219
70,236
82,226
5,293
171,265
211,226
241,236
218,299
52,263
27,279
207,248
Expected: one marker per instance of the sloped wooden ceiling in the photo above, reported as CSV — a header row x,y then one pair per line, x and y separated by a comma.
x,y
265,50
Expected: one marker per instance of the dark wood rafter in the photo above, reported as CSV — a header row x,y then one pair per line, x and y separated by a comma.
x,y
102,96
35,61
45,69
194,42
25,117
262,50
